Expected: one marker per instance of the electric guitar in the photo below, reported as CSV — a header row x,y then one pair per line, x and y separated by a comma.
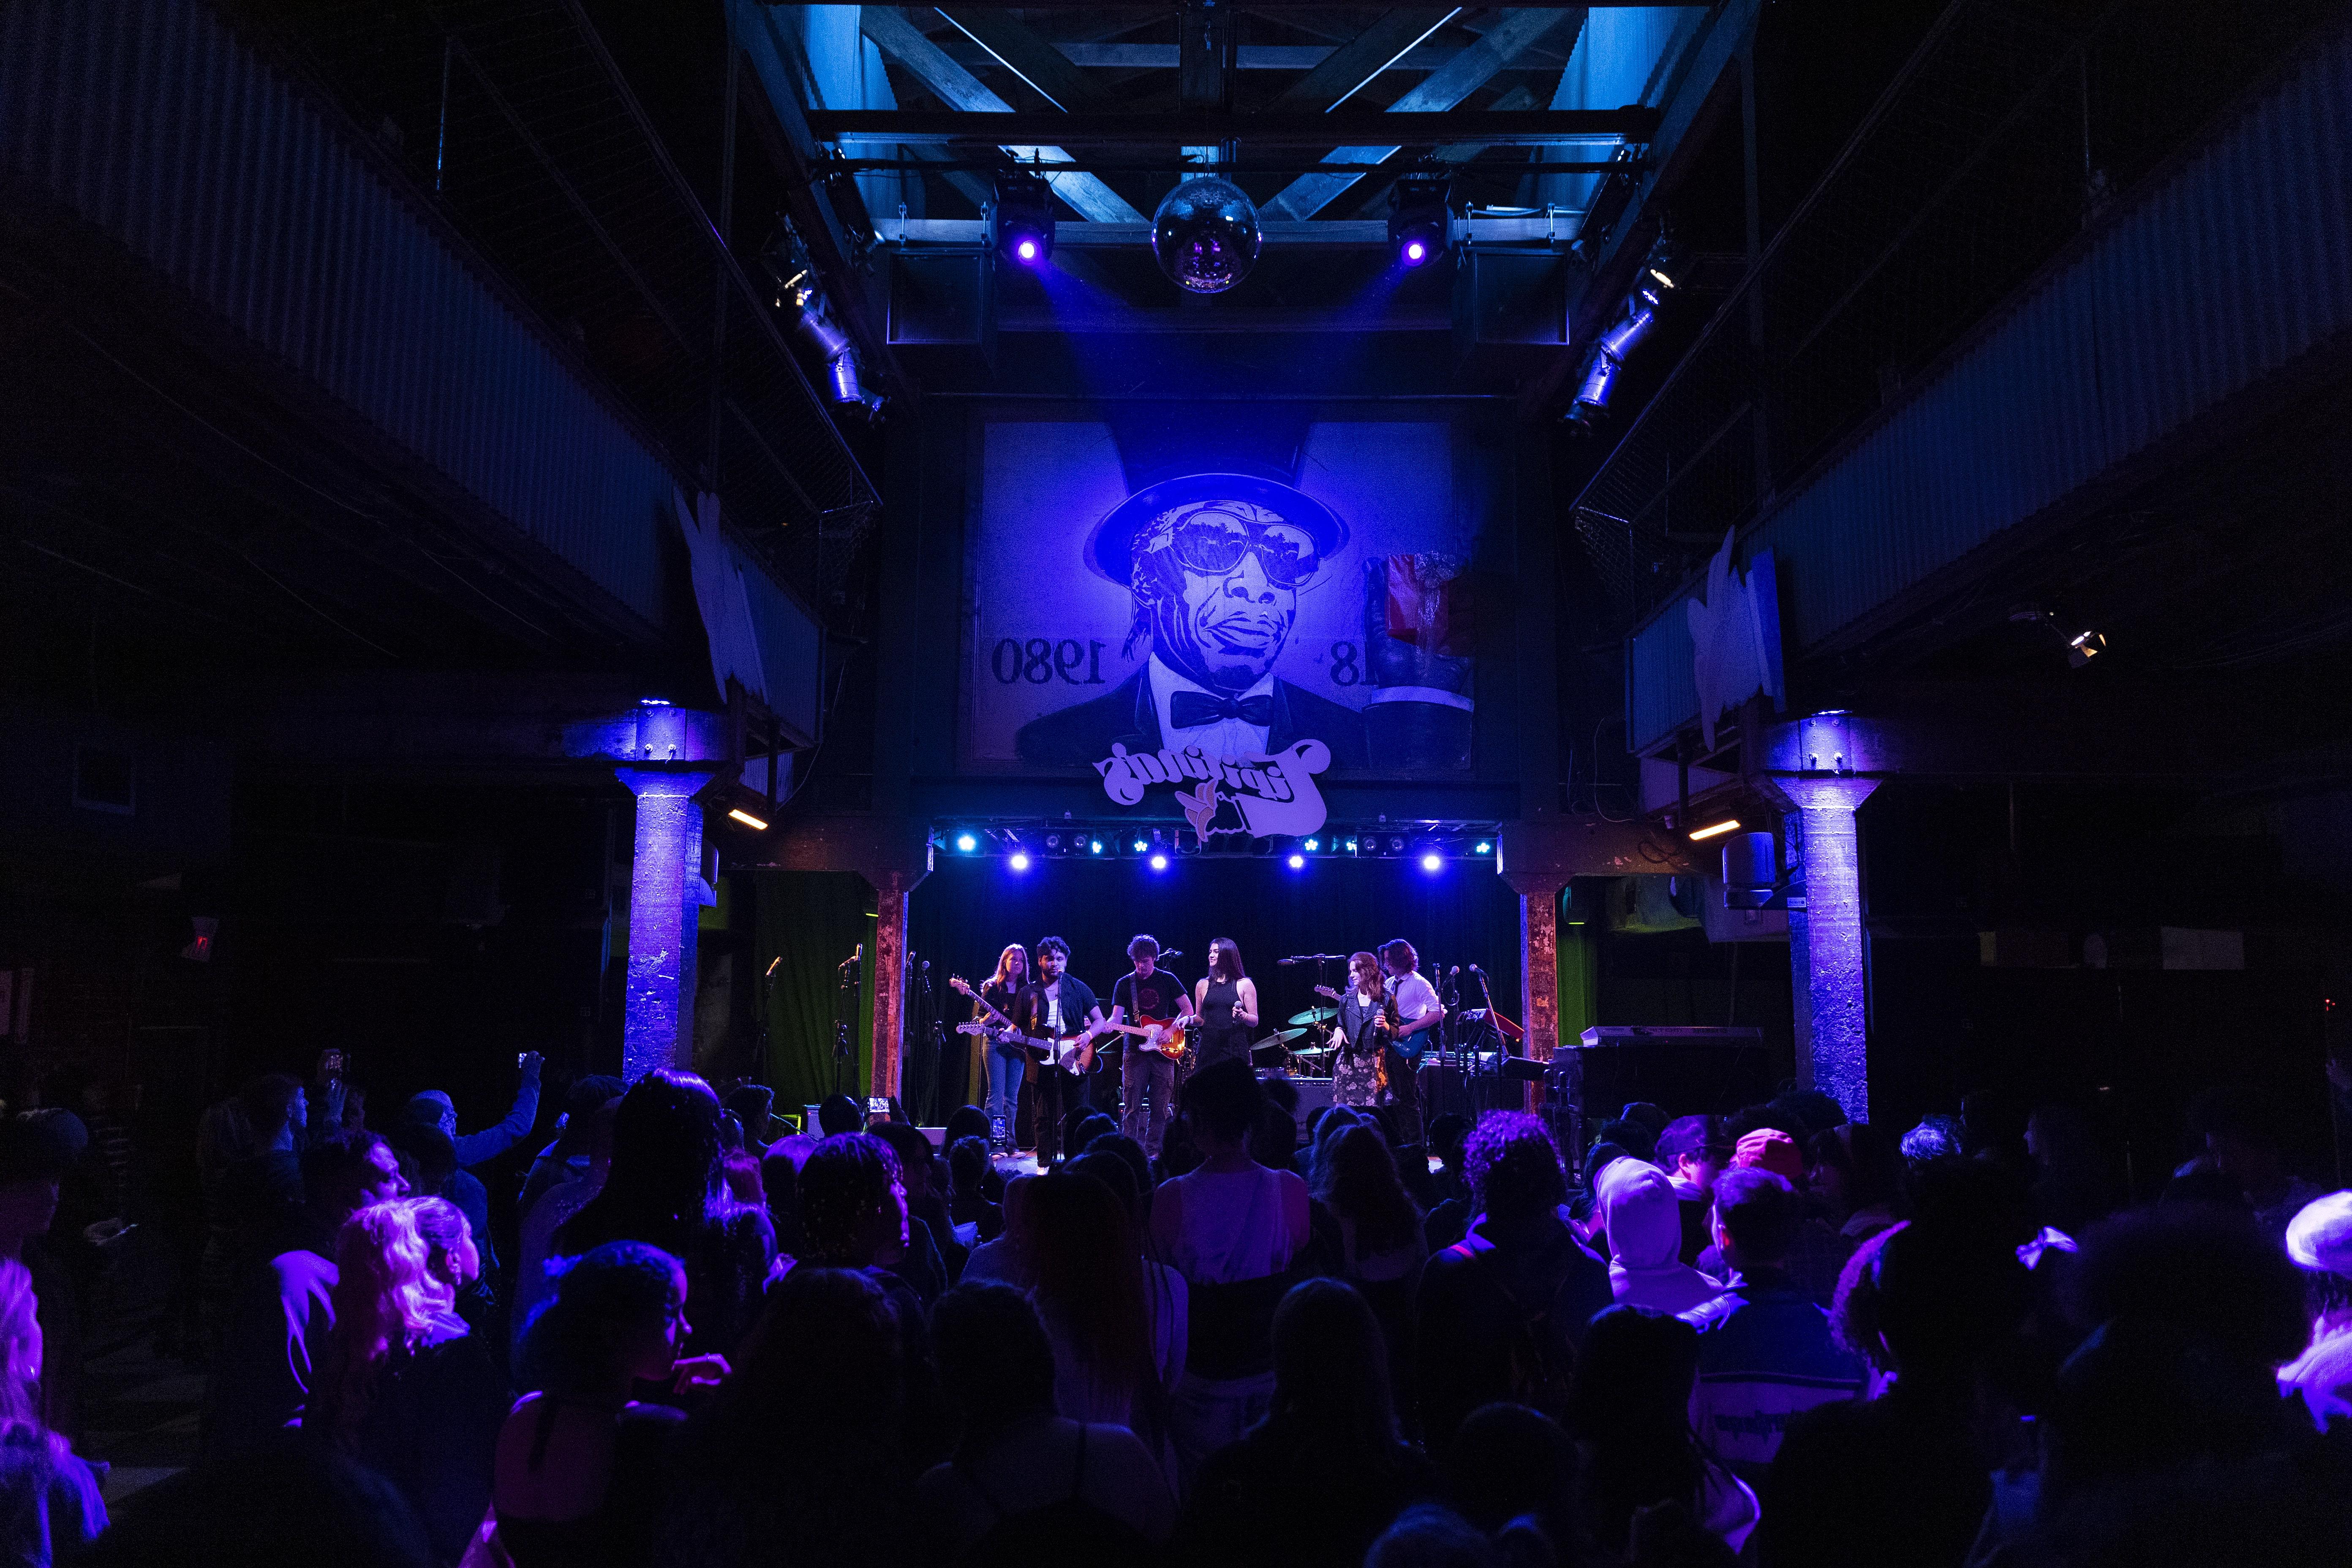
x,y
1164,1035
1071,1053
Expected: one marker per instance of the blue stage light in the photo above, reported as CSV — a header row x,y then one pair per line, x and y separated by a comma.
x,y
1160,862
965,843
1141,845
1297,862
1432,861
1020,862
1094,845
1311,845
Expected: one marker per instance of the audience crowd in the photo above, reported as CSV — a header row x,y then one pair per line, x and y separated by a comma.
x,y
1778,1338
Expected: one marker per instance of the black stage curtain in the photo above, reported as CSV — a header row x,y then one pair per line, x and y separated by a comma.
x,y
968,911
813,920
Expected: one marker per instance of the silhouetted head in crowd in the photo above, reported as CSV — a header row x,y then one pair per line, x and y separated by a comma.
x,y
1128,1151
853,1201
1756,1218
1222,1104
1694,1149
966,1122
2240,1131
996,1366
1432,1537
1632,1399
1447,1134
838,1114
915,1153
968,1162
1936,1138
2194,1310
1082,1252
1330,1374
579,1104
288,1499
1281,1090
1853,1311
1857,1167
434,1156
1507,1460
751,1104
1805,1113
1513,1168
275,1111
1947,1295
1101,1165
1274,1142
1180,1149
615,1315
1091,1126
343,1174
666,1166
1356,1177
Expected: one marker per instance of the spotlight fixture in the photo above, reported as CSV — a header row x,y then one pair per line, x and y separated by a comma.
x,y
1715,830
1607,361
1140,846
1432,861
1421,217
1025,218
1160,862
1484,848
1310,846
1094,847
2083,647
1019,861
1396,845
1351,846
966,843
747,820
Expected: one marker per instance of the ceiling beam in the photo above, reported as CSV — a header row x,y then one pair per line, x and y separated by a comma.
x,y
1441,91
1354,63
1248,57
1524,128
959,88
1022,50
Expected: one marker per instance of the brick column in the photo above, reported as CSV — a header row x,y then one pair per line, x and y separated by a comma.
x,y
891,890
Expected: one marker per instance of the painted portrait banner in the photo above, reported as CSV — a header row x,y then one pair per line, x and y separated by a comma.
x,y
1189,599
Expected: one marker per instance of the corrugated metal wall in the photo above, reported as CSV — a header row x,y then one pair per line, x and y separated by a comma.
x,y
154,123
2236,265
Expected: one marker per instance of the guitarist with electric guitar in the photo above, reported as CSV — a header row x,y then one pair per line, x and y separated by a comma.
x,y
1157,1043
1057,1020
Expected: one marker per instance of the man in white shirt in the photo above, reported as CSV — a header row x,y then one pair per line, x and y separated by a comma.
x,y
1417,1011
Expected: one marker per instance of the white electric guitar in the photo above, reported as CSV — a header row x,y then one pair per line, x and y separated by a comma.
x,y
1071,1053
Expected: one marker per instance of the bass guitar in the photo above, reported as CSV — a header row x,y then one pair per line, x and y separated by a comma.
x,y
1166,1036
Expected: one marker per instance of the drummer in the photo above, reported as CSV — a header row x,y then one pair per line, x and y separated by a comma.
x,y
1359,1068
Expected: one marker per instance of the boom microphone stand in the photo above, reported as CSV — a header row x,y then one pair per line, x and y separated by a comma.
x,y
848,977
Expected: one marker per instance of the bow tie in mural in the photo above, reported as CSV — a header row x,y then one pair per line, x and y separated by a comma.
x,y
1190,709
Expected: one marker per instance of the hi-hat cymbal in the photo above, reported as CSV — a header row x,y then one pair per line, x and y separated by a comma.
x,y
1314,1016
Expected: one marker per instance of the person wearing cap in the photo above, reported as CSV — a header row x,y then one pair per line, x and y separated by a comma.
x,y
1216,564
1815,1252
2319,1241
1693,1152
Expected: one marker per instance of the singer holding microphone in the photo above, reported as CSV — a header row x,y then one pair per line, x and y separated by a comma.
x,y
1226,999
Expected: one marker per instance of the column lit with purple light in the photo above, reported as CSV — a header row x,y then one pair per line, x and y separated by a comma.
x,y
1829,980
657,1023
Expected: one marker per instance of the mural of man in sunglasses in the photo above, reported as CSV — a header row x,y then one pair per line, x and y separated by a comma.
x,y
1216,564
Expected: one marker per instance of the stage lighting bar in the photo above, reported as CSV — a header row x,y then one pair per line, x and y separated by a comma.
x,y
1420,219
1714,830
755,824
1025,218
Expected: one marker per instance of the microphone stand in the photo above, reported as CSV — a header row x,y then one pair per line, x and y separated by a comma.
x,y
848,979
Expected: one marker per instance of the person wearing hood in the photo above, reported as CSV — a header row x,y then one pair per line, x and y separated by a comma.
x,y
1693,1152
1643,1215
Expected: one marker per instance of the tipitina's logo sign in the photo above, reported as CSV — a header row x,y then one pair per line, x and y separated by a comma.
x,y
1271,795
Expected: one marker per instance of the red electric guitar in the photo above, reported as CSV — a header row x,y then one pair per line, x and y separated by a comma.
x,y
1164,1035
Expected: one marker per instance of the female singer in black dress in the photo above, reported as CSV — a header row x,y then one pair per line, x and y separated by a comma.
x,y
1226,999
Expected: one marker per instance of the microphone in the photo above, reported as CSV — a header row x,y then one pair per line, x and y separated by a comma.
x,y
1286,962
1172,952
1457,969
1476,970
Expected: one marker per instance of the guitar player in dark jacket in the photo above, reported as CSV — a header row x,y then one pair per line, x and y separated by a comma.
x,y
1145,1070
1057,1004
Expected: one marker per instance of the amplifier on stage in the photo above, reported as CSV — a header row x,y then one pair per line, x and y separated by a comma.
x,y
1687,1071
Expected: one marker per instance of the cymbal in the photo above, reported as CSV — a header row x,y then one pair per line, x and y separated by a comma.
x,y
1284,1035
1314,1016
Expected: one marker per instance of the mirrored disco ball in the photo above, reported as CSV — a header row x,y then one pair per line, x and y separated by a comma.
x,y
1205,234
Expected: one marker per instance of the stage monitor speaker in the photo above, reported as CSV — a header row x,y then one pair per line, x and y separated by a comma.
x,y
1685,1071
1314,1094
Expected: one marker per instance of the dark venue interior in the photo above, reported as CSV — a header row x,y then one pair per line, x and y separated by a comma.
x,y
1241,782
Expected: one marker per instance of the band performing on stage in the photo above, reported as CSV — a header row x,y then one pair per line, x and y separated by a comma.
x,y
1054,1051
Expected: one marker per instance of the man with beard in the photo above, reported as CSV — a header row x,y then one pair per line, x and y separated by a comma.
x,y
1217,563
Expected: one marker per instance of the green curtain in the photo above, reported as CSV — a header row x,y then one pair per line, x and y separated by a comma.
x,y
811,919
1579,1002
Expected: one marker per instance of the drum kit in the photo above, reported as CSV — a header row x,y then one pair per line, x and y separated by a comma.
x,y
1306,1043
